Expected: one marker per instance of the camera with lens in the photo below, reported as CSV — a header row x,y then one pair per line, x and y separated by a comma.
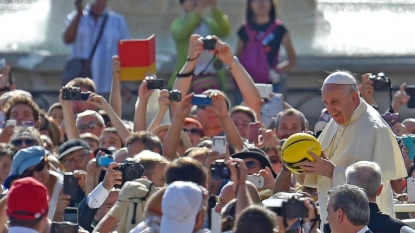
x,y
209,43
220,170
175,95
130,171
380,81
155,84
74,93
288,205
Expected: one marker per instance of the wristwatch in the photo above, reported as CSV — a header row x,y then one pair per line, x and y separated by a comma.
x,y
235,61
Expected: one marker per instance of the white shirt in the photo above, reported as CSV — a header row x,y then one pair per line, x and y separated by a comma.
x,y
367,137
17,229
363,230
97,197
88,30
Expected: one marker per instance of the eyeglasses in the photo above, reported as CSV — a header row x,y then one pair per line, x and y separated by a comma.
x,y
19,142
38,168
251,164
89,126
76,159
192,131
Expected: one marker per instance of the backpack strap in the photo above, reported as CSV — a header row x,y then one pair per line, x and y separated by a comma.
x,y
271,28
251,33
133,218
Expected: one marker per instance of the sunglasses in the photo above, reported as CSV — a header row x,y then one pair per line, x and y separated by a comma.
x,y
38,168
90,126
192,131
19,142
251,164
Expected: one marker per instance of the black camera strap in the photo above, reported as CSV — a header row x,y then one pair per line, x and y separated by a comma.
x,y
207,66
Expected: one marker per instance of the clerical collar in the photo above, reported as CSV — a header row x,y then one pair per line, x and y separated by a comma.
x,y
358,111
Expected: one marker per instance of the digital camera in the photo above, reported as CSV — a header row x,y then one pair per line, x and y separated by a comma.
x,y
175,95
74,93
220,170
104,160
155,84
130,171
380,81
201,100
208,43
294,208
288,205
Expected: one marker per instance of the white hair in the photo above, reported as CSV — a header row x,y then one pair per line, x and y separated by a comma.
x,y
90,113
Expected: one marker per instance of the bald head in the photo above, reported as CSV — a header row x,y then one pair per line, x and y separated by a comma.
x,y
409,125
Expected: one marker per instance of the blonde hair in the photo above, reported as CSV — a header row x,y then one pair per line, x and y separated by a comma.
x,y
149,160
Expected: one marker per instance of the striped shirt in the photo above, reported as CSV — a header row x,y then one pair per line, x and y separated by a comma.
x,y
271,109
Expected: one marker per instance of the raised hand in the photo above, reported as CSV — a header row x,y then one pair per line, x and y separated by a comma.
x,y
400,98
195,47
218,106
184,107
143,91
164,98
116,67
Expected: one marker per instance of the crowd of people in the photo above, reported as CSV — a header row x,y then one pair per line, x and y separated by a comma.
x,y
80,167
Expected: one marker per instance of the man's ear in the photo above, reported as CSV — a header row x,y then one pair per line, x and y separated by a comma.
x,y
340,215
379,190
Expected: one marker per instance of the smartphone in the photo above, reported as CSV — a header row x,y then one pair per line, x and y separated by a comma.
x,y
409,142
71,215
410,189
253,133
63,227
10,122
201,100
219,144
258,181
410,90
27,124
71,187
264,89
391,118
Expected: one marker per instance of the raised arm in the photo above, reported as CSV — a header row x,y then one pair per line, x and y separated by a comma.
x,y
115,94
68,118
172,140
101,103
140,115
219,108
291,61
164,103
71,30
183,83
245,83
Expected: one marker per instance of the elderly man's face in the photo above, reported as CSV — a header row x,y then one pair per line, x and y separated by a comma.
x,y
89,124
339,103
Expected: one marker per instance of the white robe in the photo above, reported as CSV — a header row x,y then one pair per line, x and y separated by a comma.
x,y
367,137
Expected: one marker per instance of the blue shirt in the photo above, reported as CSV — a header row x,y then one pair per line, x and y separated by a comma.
x,y
88,30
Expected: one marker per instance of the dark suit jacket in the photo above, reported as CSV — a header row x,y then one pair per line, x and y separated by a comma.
x,y
379,222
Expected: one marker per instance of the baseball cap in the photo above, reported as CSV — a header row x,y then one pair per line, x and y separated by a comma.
x,y
191,120
24,158
180,204
257,154
20,206
71,146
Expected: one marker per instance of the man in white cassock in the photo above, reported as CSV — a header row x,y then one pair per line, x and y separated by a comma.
x,y
356,132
